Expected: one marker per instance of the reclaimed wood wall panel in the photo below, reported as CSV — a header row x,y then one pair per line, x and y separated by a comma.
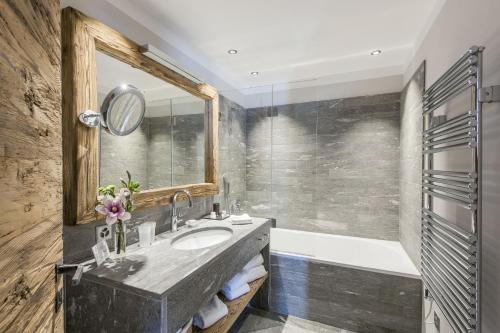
x,y
31,165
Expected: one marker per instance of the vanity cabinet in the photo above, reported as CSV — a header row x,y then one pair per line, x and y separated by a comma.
x,y
158,289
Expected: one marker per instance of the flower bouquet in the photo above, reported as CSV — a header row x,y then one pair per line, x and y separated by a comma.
x,y
117,208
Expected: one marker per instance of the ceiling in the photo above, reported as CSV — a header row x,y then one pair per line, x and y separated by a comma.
x,y
290,40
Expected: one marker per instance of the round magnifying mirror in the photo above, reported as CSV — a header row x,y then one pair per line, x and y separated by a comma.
x,y
123,110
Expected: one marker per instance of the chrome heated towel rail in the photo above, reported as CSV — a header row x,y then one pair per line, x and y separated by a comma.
x,y
451,255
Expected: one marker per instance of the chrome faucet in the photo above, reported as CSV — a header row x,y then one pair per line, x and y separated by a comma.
x,y
175,217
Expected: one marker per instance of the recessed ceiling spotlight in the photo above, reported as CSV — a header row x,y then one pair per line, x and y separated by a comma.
x,y
375,52
232,51
254,73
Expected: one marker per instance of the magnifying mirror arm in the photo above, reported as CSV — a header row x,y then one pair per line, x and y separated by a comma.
x,y
90,118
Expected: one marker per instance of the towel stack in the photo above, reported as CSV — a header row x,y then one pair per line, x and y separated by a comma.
x,y
208,315
239,284
241,219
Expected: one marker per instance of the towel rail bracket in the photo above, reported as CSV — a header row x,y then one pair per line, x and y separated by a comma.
x,y
490,94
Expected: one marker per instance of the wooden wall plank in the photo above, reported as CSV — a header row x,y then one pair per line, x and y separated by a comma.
x,y
30,164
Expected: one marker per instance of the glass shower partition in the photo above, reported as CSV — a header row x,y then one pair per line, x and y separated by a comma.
x,y
253,138
294,155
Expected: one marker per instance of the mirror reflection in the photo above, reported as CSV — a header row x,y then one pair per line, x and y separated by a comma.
x,y
167,148
123,110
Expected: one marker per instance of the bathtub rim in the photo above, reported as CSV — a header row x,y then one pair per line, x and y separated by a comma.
x,y
323,260
362,268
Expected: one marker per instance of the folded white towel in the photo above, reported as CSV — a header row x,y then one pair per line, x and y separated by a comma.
x,y
210,313
186,326
255,273
241,219
236,282
254,262
235,293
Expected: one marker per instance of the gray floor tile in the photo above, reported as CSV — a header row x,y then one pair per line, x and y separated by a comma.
x,y
257,321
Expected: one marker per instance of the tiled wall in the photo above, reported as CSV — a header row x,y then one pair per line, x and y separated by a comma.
x,y
159,151
328,166
411,165
79,239
121,153
357,300
232,149
164,151
188,149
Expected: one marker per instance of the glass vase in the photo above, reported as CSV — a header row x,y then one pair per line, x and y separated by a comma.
x,y
120,239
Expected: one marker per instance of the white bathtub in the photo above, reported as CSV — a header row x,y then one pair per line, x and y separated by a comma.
x,y
356,252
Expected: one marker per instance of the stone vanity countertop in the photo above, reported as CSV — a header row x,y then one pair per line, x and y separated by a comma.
x,y
153,271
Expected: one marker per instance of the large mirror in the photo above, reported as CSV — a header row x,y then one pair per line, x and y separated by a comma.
x,y
167,147
157,122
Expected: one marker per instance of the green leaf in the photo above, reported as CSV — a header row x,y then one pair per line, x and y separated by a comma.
x,y
107,190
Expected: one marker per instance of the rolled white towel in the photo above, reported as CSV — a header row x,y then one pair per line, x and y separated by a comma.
x,y
255,273
210,313
241,219
236,282
235,293
254,262
186,326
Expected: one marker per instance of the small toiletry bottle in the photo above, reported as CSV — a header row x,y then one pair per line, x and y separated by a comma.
x,y
217,209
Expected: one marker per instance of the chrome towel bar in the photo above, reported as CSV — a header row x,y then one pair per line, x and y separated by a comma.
x,y
435,218
451,255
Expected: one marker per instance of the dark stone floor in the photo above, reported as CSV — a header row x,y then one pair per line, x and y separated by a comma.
x,y
257,321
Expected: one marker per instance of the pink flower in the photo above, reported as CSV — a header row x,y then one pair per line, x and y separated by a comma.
x,y
113,209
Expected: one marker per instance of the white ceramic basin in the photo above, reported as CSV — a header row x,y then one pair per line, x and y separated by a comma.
x,y
201,238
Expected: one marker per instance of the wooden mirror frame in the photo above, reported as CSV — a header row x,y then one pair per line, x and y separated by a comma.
x,y
82,37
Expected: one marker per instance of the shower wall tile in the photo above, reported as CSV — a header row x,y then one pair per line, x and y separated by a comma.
x,y
359,300
258,162
332,166
411,165
188,146
357,165
232,150
159,152
121,153
293,163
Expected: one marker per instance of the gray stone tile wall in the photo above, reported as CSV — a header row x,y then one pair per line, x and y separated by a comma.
x,y
258,162
357,300
164,151
159,152
188,149
88,298
121,153
328,166
232,149
411,165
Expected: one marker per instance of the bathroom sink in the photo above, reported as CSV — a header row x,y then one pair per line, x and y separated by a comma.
x,y
201,238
